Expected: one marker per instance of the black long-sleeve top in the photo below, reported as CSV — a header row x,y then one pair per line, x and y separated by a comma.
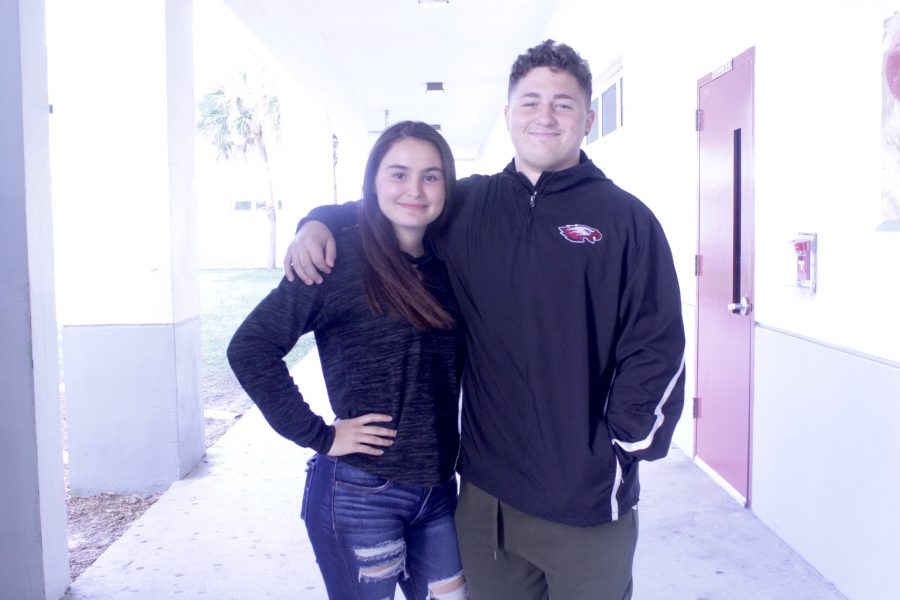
x,y
371,363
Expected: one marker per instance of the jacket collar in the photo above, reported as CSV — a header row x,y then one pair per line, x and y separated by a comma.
x,y
555,181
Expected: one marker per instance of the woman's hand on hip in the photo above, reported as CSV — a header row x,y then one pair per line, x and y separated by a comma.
x,y
362,435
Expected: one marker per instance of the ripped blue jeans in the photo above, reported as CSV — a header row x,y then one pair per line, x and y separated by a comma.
x,y
370,534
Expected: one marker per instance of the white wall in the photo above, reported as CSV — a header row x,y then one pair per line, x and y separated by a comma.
x,y
33,550
818,159
497,150
117,187
824,487
826,459
123,184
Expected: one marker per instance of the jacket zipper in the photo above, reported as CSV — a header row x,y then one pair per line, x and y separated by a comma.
x,y
531,208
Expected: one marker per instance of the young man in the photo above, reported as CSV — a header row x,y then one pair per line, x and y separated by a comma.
x,y
576,348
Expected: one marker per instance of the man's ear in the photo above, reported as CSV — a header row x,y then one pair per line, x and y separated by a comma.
x,y
589,121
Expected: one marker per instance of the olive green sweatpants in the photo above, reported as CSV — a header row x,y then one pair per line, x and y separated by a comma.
x,y
509,555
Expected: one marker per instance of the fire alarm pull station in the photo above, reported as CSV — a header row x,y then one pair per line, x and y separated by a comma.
x,y
805,251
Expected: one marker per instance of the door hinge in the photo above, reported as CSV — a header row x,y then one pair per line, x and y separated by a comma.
x,y
697,120
696,409
696,265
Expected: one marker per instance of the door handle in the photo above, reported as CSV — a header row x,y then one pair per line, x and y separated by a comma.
x,y
740,308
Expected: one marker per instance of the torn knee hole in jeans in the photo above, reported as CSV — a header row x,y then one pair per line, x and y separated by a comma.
x,y
380,562
452,588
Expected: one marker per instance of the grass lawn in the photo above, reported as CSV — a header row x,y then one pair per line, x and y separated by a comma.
x,y
226,297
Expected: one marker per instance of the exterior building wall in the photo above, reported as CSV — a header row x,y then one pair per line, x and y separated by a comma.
x,y
124,193
33,547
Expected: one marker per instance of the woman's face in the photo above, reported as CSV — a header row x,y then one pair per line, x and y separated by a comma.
x,y
410,188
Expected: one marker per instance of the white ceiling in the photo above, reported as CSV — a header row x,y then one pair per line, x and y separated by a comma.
x,y
389,49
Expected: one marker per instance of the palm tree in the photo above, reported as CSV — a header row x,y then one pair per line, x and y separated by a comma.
x,y
236,118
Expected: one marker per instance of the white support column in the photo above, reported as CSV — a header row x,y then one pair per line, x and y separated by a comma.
x,y
123,177
33,548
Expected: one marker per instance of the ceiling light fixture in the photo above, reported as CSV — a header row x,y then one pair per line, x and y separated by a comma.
x,y
434,3
434,88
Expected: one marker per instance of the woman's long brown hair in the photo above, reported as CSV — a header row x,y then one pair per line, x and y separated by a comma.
x,y
390,280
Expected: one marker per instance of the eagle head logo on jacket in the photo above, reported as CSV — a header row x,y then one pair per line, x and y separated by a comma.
x,y
580,234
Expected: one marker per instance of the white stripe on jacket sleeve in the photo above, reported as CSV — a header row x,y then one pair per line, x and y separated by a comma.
x,y
645,443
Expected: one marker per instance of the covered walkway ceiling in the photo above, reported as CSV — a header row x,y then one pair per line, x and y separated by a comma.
x,y
390,49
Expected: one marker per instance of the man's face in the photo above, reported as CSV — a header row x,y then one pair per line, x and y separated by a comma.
x,y
547,118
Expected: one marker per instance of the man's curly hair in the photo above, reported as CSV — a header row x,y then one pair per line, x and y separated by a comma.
x,y
556,56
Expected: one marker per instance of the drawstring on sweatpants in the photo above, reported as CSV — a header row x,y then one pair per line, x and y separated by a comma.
x,y
495,534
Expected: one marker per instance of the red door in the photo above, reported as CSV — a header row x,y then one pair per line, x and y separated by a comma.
x,y
725,273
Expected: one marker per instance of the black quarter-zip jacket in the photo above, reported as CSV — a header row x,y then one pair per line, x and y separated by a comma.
x,y
575,339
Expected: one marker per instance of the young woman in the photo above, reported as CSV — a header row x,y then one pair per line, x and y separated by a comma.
x,y
381,492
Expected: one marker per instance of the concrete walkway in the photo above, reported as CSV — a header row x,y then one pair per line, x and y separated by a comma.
x,y
231,531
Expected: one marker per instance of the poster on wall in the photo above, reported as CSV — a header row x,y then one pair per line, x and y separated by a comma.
x,y
890,125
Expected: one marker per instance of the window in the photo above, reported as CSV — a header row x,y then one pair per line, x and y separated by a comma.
x,y
242,205
608,107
